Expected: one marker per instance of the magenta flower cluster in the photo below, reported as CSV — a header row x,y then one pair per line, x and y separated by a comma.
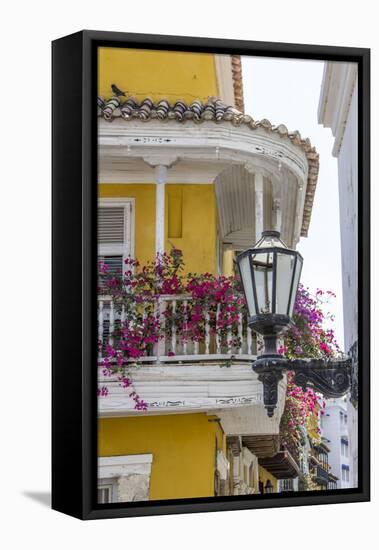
x,y
307,338
217,304
215,301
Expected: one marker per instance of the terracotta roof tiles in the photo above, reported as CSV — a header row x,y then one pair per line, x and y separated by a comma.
x,y
237,82
214,109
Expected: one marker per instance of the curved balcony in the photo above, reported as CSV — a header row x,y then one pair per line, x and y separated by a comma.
x,y
177,375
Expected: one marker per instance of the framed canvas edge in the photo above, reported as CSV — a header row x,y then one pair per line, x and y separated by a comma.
x,y
85,170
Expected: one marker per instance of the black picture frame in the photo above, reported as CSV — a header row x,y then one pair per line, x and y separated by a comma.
x,y
74,174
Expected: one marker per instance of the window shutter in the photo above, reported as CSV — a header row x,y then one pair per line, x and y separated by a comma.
x,y
114,235
113,263
111,225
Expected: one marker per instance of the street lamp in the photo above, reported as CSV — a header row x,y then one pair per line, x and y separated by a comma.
x,y
270,275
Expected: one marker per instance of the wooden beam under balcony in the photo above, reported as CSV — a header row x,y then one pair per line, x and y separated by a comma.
x,y
262,445
281,466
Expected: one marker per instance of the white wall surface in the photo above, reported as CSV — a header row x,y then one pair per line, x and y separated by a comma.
x,y
348,189
346,149
27,28
332,429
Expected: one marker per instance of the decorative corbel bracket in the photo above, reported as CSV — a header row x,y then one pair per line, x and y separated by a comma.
x,y
270,372
331,377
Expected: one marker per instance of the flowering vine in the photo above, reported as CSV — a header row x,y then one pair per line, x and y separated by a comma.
x,y
215,305
308,338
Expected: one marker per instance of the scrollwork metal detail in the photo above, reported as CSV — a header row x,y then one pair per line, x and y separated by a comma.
x,y
353,353
270,372
329,377
332,378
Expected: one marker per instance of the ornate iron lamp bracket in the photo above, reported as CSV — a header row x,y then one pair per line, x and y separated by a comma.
x,y
331,377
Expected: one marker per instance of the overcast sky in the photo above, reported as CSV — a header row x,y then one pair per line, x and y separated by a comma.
x,y
287,91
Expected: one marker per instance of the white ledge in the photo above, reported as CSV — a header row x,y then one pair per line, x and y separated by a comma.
x,y
169,389
116,466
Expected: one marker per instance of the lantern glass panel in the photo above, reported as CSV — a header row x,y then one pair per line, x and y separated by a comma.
x,y
284,271
263,273
296,280
245,270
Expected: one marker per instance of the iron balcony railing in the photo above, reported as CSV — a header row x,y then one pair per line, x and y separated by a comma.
x,y
321,475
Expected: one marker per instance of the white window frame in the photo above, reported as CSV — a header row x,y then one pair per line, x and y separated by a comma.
x,y
128,248
111,483
345,472
115,466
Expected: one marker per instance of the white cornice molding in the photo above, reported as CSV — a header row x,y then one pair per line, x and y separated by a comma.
x,y
184,387
199,142
337,88
233,393
206,141
119,466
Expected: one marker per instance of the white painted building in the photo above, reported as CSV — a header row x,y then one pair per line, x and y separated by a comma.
x,y
334,431
338,110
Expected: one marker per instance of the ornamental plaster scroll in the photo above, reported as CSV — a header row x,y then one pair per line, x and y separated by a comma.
x,y
163,160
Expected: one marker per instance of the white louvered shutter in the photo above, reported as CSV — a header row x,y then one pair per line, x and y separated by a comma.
x,y
114,235
111,225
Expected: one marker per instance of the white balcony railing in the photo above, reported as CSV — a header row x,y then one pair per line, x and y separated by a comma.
x,y
239,343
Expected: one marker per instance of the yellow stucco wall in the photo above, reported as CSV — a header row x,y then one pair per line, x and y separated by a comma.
x,y
183,448
264,475
191,206
173,75
227,263
157,74
198,241
313,424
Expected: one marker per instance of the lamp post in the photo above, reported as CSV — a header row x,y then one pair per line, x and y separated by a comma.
x,y
270,274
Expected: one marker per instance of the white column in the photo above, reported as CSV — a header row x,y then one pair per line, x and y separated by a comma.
x,y
277,214
258,185
160,180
